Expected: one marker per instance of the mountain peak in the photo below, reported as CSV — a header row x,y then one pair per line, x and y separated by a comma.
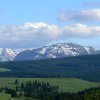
x,y
54,51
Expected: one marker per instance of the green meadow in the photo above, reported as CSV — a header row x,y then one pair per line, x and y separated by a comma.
x,y
4,69
65,85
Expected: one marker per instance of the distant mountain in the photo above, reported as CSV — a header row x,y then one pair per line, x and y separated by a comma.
x,y
97,51
59,50
55,51
7,54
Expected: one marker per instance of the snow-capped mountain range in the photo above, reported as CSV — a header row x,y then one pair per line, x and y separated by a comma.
x,y
7,54
54,51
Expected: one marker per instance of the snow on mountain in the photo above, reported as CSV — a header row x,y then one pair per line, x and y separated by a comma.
x,y
89,49
55,51
7,54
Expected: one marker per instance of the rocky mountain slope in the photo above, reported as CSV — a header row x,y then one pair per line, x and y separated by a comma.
x,y
55,51
7,54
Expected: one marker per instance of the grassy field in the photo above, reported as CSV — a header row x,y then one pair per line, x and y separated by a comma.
x,y
4,69
65,84
4,96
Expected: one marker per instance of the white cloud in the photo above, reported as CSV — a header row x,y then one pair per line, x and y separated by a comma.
x,y
83,15
82,31
35,34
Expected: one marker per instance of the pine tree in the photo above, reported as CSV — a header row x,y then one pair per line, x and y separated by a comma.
x,y
16,81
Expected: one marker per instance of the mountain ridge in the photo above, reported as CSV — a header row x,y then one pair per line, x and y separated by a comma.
x,y
58,50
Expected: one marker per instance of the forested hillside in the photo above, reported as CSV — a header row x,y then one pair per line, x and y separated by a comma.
x,y
84,67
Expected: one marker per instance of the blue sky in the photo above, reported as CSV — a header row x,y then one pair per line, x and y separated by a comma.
x,y
75,21
20,11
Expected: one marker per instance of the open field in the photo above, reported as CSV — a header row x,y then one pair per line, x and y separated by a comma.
x,y
4,69
4,96
65,84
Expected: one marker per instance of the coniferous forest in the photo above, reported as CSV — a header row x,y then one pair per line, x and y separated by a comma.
x,y
83,67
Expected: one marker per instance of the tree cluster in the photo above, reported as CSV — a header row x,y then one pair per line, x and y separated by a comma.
x,y
44,91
